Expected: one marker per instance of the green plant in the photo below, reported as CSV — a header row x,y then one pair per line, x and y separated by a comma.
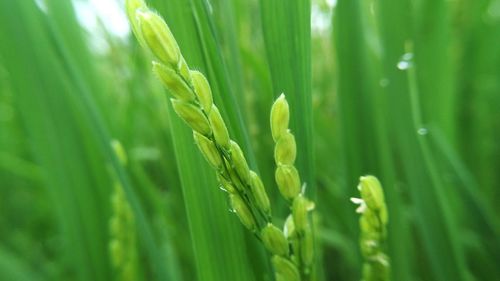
x,y
122,229
373,223
405,90
193,102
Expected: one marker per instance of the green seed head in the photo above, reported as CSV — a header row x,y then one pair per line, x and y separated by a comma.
x,y
372,223
289,228
228,186
378,268
371,192
299,212
384,216
285,150
221,134
288,180
239,162
116,252
122,233
119,151
193,116
369,245
174,83
115,225
285,269
202,89
307,247
234,177
184,70
280,117
158,37
365,223
241,209
209,150
132,6
274,240
259,193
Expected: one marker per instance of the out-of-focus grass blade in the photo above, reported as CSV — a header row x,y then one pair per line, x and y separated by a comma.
x,y
478,128
363,125
13,268
66,134
469,185
287,32
435,223
54,141
352,103
477,214
20,167
433,54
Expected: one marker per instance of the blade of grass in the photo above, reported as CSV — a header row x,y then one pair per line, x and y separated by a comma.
x,y
435,225
13,268
287,34
68,137
477,95
434,58
363,116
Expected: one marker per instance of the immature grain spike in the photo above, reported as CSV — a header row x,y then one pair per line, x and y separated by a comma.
x,y
288,180
226,185
280,117
119,151
285,150
239,162
274,240
202,90
234,177
132,6
368,221
122,246
299,212
259,193
307,247
289,228
241,209
285,269
221,134
158,37
209,150
116,252
174,83
373,223
184,70
193,116
371,192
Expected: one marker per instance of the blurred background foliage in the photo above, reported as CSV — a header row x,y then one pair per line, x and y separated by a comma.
x,y
407,90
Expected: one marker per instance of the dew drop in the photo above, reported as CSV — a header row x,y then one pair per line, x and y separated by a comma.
x,y
222,188
405,62
407,57
403,65
422,131
42,5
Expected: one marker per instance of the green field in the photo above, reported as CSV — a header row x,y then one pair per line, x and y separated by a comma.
x,y
406,90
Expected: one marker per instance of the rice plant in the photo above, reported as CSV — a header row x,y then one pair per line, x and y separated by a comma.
x,y
224,140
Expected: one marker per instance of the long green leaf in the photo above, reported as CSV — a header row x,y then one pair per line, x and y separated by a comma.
x,y
287,33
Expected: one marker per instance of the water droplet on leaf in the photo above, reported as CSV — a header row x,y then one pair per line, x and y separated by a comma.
x,y
422,131
405,62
